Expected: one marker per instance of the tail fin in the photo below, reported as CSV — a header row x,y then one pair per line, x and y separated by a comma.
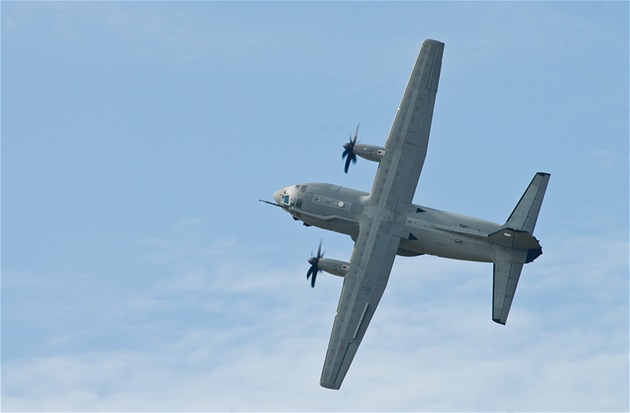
x,y
526,211
516,246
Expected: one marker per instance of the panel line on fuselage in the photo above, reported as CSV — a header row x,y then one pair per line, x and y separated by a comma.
x,y
436,232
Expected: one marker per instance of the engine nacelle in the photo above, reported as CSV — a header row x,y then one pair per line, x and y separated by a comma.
x,y
334,267
370,152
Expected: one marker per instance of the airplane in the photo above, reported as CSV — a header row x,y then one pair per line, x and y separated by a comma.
x,y
385,222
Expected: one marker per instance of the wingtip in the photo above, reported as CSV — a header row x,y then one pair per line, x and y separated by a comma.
x,y
434,41
330,386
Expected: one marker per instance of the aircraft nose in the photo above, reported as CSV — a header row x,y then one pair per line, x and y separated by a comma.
x,y
278,195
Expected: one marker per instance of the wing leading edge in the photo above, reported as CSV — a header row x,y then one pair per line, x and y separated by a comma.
x,y
362,289
406,148
380,228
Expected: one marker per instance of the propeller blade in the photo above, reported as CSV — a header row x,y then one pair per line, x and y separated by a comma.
x,y
348,153
311,271
350,158
314,269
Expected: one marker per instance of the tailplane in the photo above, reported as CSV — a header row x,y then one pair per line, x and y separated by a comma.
x,y
506,273
515,246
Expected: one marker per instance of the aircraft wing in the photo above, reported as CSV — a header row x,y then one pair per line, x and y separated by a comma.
x,y
371,262
380,228
406,147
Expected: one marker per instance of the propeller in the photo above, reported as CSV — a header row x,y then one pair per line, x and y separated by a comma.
x,y
348,153
314,267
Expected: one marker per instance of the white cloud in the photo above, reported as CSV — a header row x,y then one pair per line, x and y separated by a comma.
x,y
222,339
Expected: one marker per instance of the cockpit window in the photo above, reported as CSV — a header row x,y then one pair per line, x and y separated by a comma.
x,y
285,200
303,188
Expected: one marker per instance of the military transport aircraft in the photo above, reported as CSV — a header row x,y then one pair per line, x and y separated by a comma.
x,y
385,223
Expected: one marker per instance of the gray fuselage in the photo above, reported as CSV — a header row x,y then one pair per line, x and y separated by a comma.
x,y
426,230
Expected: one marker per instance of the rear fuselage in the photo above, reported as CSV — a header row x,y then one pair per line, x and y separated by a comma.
x,y
425,230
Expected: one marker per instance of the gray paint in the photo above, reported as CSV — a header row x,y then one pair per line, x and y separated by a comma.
x,y
384,222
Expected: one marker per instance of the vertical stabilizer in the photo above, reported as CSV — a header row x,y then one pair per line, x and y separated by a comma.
x,y
526,211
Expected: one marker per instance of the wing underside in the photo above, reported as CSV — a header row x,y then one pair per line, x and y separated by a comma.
x,y
406,147
371,263
381,225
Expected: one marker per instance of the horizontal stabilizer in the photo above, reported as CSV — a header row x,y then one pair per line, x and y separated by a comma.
x,y
507,271
526,211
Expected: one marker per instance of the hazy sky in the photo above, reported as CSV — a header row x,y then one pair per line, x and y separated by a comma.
x,y
140,272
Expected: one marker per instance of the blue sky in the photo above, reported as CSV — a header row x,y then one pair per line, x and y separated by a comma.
x,y
140,272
